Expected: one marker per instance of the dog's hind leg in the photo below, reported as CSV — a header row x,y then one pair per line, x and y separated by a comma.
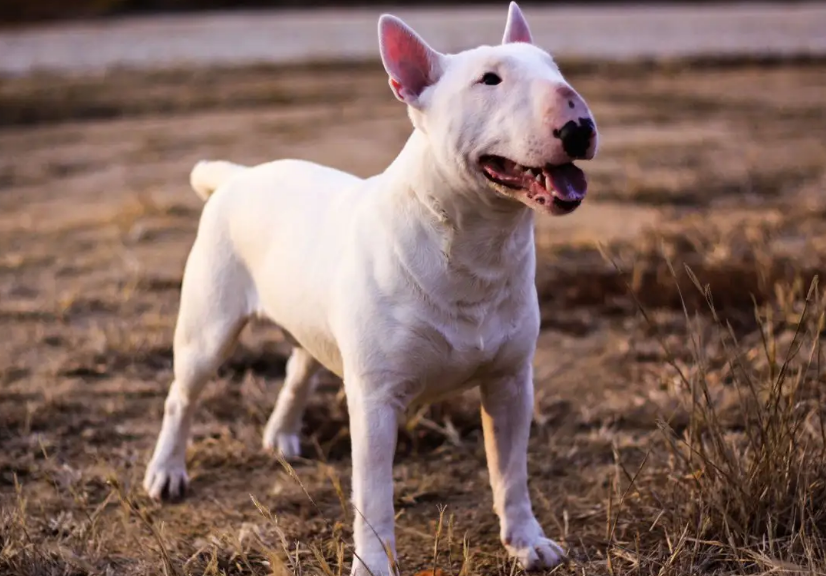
x,y
213,311
282,429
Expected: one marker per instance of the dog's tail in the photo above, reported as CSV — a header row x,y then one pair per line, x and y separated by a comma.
x,y
208,175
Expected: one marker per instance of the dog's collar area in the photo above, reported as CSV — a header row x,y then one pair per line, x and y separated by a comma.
x,y
560,187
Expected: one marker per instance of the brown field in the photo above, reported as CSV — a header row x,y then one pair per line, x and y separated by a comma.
x,y
678,426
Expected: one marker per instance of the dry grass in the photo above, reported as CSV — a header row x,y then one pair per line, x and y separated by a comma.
x,y
742,487
678,429
731,480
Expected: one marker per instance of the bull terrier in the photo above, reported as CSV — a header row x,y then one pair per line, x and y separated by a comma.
x,y
410,285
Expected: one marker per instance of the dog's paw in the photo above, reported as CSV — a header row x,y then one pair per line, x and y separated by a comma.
x,y
288,445
165,482
531,548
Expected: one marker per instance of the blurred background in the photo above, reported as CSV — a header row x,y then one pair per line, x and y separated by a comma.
x,y
13,11
686,269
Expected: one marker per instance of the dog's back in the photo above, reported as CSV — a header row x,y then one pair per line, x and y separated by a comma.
x,y
282,224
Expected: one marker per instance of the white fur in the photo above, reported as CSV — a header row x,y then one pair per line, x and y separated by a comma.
x,y
411,285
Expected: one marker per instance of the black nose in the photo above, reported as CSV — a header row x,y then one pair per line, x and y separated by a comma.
x,y
576,137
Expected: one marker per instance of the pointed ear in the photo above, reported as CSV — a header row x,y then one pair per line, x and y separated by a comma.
x,y
516,30
411,64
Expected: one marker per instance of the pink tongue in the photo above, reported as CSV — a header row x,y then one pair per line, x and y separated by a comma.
x,y
569,182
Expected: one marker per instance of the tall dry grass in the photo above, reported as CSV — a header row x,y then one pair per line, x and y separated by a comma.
x,y
741,488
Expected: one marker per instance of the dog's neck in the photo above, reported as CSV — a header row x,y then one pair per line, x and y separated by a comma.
x,y
468,209
486,240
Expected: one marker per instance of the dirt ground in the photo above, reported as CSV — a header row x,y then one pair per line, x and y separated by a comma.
x,y
668,440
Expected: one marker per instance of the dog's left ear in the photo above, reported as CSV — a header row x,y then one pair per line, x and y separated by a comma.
x,y
411,64
516,30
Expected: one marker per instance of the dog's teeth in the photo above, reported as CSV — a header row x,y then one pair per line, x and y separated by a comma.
x,y
539,177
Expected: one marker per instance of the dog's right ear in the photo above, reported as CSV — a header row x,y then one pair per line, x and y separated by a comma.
x,y
411,64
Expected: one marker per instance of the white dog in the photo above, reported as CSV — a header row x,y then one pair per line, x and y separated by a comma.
x,y
410,285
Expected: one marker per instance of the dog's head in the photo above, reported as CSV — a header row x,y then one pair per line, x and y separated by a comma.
x,y
501,115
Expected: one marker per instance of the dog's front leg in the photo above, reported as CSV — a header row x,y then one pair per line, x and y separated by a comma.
x,y
507,408
373,431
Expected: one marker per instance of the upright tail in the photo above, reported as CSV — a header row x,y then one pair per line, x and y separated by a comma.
x,y
208,175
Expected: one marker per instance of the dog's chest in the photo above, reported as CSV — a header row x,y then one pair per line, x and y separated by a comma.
x,y
471,352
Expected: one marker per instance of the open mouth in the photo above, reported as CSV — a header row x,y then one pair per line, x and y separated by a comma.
x,y
558,189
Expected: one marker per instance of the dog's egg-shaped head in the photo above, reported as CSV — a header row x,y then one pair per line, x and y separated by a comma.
x,y
502,115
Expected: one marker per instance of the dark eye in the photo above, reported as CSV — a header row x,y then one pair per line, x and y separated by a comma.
x,y
491,79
